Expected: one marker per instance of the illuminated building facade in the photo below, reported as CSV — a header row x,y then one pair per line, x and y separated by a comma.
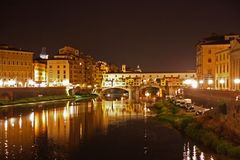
x,y
15,67
58,72
168,81
66,67
39,70
235,64
206,65
101,69
90,70
222,75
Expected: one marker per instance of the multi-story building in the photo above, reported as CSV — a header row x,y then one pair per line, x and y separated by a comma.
x,y
207,50
101,68
66,67
90,70
222,71
40,74
15,66
235,64
58,72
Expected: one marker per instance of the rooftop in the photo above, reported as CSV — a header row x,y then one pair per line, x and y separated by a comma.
x,y
11,48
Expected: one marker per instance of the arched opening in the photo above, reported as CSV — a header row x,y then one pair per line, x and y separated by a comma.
x,y
114,94
151,93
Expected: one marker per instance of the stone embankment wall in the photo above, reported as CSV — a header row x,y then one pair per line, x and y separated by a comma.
x,y
224,119
20,93
211,98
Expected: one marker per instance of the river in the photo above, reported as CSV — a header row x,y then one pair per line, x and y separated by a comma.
x,y
106,130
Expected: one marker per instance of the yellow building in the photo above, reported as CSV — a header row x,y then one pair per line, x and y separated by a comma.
x,y
66,67
40,74
206,60
58,72
222,75
101,68
15,67
235,64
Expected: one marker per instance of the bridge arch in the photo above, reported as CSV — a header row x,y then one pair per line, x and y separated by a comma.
x,y
122,88
159,92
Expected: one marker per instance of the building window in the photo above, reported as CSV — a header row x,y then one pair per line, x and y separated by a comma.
x,y
64,66
58,72
58,66
64,72
209,51
209,71
209,60
50,66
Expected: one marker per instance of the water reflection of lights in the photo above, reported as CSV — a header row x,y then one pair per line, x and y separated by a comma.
x,y
6,125
31,117
71,110
20,121
65,113
12,121
202,156
43,117
55,115
194,153
145,148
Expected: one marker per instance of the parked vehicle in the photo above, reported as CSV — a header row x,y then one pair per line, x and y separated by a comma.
x,y
190,107
180,102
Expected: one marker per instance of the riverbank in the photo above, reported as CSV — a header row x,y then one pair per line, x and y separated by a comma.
x,y
32,100
188,124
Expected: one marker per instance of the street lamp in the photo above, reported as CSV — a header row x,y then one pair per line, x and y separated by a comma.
x,y
1,83
222,81
236,81
210,82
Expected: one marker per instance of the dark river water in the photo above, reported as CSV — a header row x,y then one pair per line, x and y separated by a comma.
x,y
91,130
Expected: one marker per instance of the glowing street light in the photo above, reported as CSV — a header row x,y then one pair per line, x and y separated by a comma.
x,y
210,81
1,83
31,82
201,81
236,81
12,82
221,81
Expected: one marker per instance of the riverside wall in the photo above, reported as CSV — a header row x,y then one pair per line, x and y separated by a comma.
x,y
20,93
211,98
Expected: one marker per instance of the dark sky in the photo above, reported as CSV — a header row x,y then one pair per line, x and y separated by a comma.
x,y
157,35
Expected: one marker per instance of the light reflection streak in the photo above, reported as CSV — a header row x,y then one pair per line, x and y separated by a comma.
x,y
43,117
202,156
6,125
12,121
55,115
31,117
194,153
20,122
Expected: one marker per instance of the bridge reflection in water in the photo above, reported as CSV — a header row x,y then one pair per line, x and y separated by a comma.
x,y
52,131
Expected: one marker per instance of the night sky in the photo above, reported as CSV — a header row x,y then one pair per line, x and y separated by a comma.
x,y
157,35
